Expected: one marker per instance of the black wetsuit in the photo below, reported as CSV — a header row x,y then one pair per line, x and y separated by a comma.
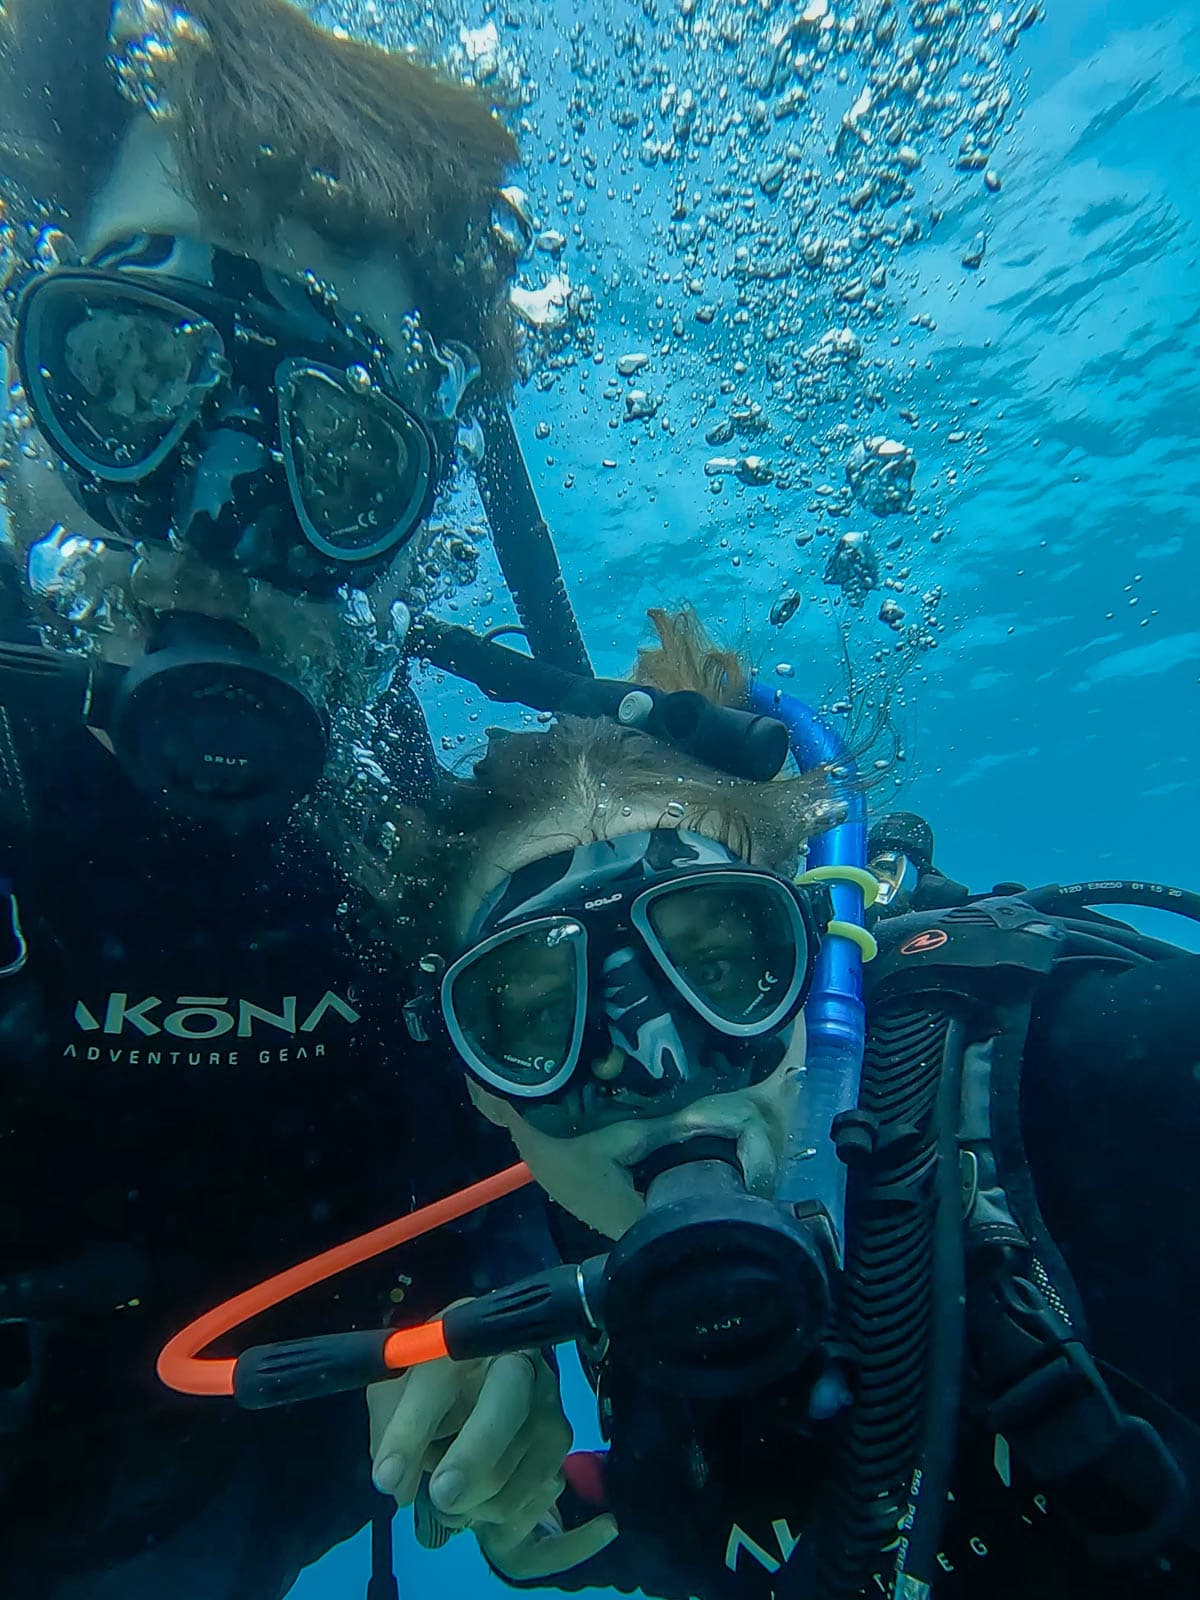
x,y
204,1077
711,1498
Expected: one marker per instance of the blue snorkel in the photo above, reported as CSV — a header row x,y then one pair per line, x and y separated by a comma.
x,y
834,1013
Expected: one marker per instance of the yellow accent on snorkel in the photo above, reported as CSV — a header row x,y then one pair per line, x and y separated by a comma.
x,y
861,879
856,935
858,876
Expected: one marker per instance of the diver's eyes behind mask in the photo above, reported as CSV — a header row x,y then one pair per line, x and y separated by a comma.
x,y
117,374
114,374
736,946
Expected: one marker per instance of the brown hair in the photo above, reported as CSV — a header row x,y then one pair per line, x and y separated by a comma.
x,y
596,768
272,118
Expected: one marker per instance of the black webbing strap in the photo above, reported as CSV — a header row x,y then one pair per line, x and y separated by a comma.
x,y
1121,1491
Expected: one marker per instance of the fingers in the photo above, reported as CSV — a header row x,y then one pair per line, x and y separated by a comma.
x,y
530,1477
423,1401
546,1549
494,1439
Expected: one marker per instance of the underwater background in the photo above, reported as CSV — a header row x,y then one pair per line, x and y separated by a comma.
x,y
1010,318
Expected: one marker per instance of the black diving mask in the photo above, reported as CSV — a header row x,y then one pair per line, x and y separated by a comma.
x,y
630,977
195,396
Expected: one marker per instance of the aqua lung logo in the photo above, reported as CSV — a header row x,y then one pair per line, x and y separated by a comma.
x,y
164,1032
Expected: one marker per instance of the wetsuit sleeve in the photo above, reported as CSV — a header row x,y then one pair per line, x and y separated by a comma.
x,y
61,113
1111,1118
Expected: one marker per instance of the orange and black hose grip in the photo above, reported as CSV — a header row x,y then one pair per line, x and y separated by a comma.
x,y
547,1308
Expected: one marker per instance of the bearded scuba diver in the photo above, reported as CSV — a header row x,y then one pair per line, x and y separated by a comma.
x,y
230,412
197,403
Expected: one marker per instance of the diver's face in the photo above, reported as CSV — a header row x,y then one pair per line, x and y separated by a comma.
x,y
107,593
591,1174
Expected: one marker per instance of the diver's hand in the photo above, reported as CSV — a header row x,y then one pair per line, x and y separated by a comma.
x,y
493,1435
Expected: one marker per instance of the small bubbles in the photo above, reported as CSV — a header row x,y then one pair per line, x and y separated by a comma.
x,y
676,808
784,669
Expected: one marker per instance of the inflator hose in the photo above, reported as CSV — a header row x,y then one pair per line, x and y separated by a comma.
x,y
180,1364
524,547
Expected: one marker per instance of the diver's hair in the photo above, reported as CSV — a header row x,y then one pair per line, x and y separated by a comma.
x,y
595,769
273,118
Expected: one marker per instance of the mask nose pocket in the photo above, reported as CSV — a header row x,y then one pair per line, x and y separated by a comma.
x,y
641,1025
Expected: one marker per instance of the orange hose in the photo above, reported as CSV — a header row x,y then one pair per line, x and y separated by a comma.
x,y
180,1366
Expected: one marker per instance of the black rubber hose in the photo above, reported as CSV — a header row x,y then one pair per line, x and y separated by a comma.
x,y
383,1585
738,742
1110,892
525,548
513,677
947,1335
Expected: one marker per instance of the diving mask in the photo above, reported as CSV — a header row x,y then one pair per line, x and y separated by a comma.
x,y
897,877
194,395
630,977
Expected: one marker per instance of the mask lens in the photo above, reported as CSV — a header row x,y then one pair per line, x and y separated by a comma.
x,y
359,466
737,948
115,375
514,1010
892,869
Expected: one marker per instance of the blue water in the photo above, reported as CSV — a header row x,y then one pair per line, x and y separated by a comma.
x,y
1052,733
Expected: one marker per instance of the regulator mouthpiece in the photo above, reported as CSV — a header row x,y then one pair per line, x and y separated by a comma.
x,y
203,722
714,1291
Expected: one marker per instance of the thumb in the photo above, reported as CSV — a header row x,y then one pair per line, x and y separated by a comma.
x,y
548,1549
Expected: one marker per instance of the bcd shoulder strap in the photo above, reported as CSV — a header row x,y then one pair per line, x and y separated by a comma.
x,y
1032,1378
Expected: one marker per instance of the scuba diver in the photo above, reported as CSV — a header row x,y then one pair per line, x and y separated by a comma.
x,y
828,1270
973,1374
879,1249
234,402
